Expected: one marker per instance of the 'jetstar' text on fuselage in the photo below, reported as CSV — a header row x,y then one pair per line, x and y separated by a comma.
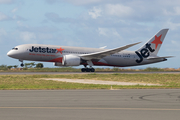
x,y
42,50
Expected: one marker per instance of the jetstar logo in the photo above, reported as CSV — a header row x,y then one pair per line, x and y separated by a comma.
x,y
45,50
157,41
145,52
60,50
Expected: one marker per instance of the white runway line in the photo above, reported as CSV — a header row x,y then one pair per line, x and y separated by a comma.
x,y
86,81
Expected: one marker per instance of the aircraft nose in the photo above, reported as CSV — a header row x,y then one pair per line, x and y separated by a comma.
x,y
10,53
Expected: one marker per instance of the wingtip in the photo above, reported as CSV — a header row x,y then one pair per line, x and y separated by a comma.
x,y
137,43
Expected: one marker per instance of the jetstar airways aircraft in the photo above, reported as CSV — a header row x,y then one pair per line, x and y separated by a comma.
x,y
75,56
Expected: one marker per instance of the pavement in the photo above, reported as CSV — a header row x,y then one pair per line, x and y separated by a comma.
x,y
141,104
87,81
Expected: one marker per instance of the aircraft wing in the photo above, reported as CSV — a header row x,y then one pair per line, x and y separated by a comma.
x,y
157,58
101,54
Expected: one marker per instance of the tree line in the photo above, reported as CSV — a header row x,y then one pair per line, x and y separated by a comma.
x,y
26,65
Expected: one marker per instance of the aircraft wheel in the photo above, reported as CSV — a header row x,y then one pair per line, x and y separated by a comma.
x,y
92,69
22,65
87,70
83,70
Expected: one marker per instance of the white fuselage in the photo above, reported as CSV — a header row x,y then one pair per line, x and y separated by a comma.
x,y
52,53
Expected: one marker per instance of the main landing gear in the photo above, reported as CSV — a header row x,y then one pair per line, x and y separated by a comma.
x,y
91,69
87,70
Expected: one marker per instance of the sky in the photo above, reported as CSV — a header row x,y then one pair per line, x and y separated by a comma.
x,y
90,23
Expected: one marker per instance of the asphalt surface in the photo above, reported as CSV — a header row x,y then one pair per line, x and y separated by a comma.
x,y
144,104
53,73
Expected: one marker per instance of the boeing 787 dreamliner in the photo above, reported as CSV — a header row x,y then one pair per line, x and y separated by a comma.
x,y
75,56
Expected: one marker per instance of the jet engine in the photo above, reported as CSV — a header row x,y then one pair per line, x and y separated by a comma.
x,y
71,60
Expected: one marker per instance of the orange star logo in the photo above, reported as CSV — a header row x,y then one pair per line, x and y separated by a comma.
x,y
59,50
157,41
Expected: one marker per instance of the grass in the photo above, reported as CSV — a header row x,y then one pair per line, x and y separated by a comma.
x,y
16,82
70,69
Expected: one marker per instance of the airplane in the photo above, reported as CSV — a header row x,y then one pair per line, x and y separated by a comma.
x,y
75,56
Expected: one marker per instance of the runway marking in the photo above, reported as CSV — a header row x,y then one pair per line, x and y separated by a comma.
x,y
89,108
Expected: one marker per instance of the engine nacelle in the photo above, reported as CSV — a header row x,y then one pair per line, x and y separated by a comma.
x,y
71,60
58,64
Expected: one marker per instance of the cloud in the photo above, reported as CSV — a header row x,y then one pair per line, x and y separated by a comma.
x,y
40,29
2,32
51,1
118,10
21,24
109,32
3,17
6,1
175,42
75,2
172,25
55,18
38,34
45,36
14,10
27,36
95,12
102,31
84,2
172,12
19,18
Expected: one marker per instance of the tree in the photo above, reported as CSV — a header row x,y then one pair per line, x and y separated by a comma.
x,y
3,67
9,67
39,65
15,66
30,65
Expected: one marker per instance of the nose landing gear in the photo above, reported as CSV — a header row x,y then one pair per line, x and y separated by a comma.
x,y
22,65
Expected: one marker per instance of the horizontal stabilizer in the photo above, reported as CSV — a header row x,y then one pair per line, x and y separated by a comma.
x,y
158,58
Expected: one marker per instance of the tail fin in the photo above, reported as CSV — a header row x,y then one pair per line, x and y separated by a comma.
x,y
154,44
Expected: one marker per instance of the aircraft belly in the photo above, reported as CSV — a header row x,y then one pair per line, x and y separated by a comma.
x,y
125,62
149,62
119,61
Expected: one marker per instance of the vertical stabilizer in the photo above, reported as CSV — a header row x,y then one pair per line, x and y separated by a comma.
x,y
154,43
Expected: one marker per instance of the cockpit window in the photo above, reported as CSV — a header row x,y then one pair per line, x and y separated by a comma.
x,y
14,48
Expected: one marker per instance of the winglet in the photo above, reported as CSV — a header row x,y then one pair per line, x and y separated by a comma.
x,y
103,47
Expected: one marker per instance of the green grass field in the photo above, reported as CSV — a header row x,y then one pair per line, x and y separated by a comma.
x,y
16,82
70,69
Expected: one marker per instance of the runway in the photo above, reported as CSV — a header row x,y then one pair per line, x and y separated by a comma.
x,y
54,73
144,104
